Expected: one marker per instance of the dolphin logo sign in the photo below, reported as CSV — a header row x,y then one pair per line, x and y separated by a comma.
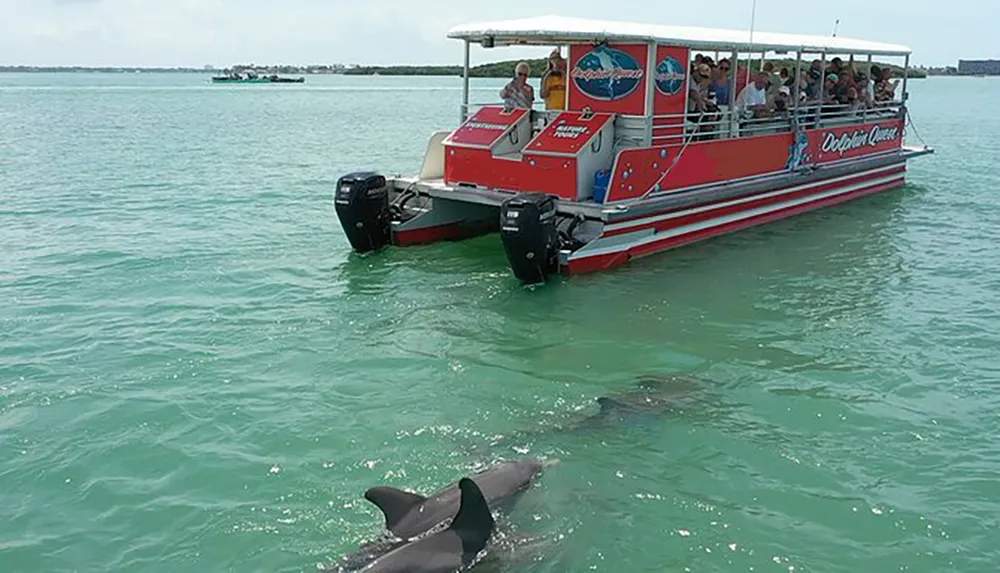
x,y
607,74
670,76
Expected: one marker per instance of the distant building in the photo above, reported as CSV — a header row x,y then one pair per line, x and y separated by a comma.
x,y
979,67
209,67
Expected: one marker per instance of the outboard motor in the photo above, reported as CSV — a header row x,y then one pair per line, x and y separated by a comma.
x,y
529,234
362,204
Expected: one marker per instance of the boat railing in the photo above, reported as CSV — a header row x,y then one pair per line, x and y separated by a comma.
x,y
676,129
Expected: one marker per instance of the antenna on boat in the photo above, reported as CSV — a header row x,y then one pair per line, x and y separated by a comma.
x,y
753,16
835,26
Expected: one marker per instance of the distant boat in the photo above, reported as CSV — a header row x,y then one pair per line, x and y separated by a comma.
x,y
258,80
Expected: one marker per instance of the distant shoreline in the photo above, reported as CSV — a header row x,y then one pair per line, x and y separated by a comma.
x,y
502,69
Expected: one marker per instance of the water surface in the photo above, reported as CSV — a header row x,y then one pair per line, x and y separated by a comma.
x,y
196,372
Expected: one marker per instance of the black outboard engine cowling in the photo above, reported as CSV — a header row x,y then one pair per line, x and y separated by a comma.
x,y
362,204
529,234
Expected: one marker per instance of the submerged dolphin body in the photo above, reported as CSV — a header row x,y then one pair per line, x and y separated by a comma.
x,y
649,397
409,515
448,550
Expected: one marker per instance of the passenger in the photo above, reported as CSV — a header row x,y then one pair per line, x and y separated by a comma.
x,y
874,75
847,76
866,89
702,108
720,82
845,82
851,102
814,77
773,80
698,60
836,65
783,101
554,82
884,90
829,102
698,90
752,101
803,87
518,93
786,78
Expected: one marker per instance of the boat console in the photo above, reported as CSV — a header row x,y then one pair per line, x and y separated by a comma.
x,y
494,149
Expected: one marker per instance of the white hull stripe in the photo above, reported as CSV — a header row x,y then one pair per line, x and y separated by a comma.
x,y
677,214
750,213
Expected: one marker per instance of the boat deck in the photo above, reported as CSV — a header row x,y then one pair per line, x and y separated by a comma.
x,y
609,212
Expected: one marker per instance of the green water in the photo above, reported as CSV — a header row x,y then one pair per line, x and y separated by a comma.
x,y
197,374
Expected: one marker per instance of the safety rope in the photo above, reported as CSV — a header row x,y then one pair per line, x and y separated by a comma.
x,y
909,122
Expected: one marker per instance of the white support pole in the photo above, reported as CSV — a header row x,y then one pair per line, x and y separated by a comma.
x,y
798,79
650,93
906,72
868,74
822,84
465,86
734,64
753,20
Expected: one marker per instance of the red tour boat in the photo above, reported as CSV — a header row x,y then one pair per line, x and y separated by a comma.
x,y
631,166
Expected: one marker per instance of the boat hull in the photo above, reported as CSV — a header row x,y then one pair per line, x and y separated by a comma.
x,y
664,231
596,237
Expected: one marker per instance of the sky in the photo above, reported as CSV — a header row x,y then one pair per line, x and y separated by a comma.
x,y
195,33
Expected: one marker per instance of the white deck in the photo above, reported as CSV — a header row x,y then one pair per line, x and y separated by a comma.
x,y
549,30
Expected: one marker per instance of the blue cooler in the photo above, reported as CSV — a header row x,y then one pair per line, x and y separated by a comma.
x,y
601,180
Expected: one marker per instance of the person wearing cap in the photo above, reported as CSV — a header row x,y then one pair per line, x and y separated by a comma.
x,y
702,108
829,88
782,100
554,82
702,94
518,93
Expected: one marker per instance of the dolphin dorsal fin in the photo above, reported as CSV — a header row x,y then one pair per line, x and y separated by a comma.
x,y
394,503
473,522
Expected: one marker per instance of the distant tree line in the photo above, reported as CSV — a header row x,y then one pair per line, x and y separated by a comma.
x,y
502,69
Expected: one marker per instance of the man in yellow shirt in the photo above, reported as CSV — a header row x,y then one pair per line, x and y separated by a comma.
x,y
554,82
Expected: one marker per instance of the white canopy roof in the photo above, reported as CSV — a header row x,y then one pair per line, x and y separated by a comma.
x,y
549,30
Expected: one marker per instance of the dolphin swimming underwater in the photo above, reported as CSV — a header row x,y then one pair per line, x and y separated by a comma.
x,y
410,515
448,550
650,397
